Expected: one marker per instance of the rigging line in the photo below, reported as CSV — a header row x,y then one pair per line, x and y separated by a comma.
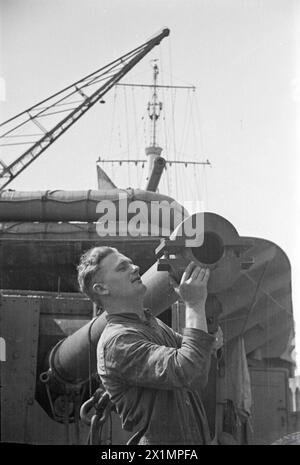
x,y
205,188
135,123
136,175
53,113
162,95
140,126
23,135
112,121
119,135
201,185
48,107
57,105
113,171
39,114
150,129
184,186
144,132
174,139
165,124
198,183
194,127
196,194
127,131
184,126
98,79
189,119
13,144
161,65
164,103
189,140
120,59
129,175
199,124
173,100
190,125
31,118
140,174
44,109
171,80
170,187
166,175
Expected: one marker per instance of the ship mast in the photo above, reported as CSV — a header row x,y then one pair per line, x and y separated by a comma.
x,y
156,163
154,109
154,105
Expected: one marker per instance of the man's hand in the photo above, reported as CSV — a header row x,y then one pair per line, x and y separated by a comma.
x,y
193,285
193,291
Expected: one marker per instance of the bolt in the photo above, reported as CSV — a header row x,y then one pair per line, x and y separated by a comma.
x,y
30,401
16,355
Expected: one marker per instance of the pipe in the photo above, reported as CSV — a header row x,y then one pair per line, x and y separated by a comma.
x,y
156,173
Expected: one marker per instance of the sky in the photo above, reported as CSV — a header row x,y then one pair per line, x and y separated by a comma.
x,y
242,55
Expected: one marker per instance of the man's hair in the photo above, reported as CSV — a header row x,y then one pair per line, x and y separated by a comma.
x,y
90,263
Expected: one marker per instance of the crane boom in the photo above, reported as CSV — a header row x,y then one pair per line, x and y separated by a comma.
x,y
111,73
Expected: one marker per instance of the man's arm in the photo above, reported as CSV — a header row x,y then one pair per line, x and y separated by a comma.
x,y
193,291
135,360
132,359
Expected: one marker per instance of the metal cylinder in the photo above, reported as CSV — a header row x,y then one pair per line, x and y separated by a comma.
x,y
155,174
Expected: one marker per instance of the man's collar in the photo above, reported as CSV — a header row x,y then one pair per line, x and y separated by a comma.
x,y
129,316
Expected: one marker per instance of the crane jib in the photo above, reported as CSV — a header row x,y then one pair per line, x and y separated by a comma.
x,y
127,62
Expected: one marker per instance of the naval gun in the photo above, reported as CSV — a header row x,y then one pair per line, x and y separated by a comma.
x,y
49,332
218,247
52,335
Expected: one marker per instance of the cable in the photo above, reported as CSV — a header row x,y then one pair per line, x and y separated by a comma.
x,y
90,353
113,121
135,123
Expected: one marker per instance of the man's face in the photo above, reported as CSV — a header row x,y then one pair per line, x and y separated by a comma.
x,y
120,276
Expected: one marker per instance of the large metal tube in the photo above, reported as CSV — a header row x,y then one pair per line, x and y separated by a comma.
x,y
156,173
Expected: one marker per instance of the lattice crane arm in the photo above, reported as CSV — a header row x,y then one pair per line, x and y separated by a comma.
x,y
111,74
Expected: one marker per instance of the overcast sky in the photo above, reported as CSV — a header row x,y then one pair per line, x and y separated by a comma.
x,y
242,55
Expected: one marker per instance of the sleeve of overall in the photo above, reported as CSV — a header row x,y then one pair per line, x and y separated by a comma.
x,y
138,362
177,336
